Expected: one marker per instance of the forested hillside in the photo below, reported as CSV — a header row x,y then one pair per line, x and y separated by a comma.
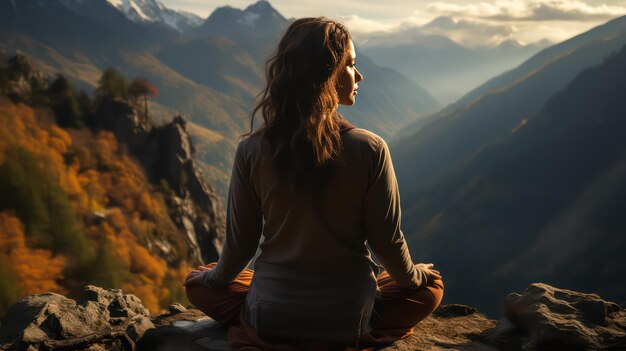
x,y
76,207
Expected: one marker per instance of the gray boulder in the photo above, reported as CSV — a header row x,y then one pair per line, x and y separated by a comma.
x,y
55,321
543,317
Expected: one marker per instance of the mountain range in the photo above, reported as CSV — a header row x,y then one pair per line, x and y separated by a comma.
x,y
211,73
447,68
521,180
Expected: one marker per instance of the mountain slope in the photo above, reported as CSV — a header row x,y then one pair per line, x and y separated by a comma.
x,y
75,209
606,31
543,202
95,26
455,133
216,62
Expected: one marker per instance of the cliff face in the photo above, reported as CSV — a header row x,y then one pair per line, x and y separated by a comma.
x,y
166,153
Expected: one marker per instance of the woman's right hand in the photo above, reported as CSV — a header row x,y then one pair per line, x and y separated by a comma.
x,y
196,277
431,274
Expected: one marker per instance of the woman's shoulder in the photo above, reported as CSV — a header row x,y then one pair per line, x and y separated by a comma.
x,y
364,138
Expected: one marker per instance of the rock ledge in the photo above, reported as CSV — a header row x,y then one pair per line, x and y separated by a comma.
x,y
542,317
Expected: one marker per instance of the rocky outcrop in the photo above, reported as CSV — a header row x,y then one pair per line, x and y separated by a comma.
x,y
24,76
544,317
166,153
540,318
107,318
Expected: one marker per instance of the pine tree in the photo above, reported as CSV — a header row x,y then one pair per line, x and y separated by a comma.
x,y
65,103
22,190
113,84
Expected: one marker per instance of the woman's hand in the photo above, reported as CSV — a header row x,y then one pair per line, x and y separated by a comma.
x,y
196,276
427,268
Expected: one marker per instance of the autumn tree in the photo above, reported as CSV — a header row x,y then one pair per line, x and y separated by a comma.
x,y
25,270
142,88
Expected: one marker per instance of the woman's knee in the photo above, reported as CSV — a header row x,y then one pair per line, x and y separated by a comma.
x,y
436,288
197,295
200,295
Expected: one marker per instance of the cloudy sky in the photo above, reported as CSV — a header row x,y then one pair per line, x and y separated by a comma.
x,y
472,22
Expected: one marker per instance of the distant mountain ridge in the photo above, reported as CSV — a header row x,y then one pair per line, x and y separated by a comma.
x,y
447,68
514,181
211,74
259,20
613,31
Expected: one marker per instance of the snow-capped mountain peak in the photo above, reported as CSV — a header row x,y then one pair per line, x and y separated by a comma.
x,y
259,19
154,11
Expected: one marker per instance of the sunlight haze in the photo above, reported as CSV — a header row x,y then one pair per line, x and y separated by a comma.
x,y
476,23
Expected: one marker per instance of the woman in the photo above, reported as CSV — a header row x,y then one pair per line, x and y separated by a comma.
x,y
319,190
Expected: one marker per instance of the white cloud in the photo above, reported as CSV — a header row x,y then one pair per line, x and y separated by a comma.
x,y
357,24
535,10
469,32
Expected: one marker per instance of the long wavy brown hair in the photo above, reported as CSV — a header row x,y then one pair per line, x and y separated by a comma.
x,y
299,103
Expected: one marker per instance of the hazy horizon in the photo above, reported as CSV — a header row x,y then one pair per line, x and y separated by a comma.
x,y
474,23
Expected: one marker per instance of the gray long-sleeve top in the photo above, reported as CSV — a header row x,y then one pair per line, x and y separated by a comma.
x,y
314,277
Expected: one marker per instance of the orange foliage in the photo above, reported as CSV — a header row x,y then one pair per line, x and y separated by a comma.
x,y
36,269
97,175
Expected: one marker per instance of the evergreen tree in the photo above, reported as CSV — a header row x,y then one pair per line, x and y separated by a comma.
x,y
111,272
9,292
42,205
22,190
84,104
4,72
113,84
65,103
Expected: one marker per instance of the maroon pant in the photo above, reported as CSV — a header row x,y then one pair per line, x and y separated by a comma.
x,y
396,312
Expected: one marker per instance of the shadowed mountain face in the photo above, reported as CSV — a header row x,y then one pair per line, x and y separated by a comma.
x,y
211,75
461,129
95,26
502,193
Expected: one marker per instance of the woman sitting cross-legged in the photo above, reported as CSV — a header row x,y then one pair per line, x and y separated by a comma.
x,y
319,191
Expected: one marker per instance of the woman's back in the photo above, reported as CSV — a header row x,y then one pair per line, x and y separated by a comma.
x,y
314,261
